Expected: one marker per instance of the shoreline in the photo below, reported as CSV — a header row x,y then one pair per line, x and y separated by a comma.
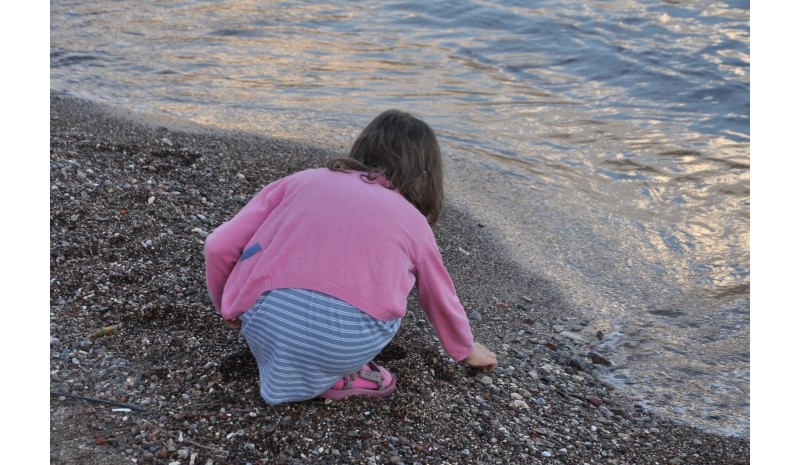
x,y
130,204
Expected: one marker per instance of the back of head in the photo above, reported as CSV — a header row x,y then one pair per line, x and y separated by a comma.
x,y
404,150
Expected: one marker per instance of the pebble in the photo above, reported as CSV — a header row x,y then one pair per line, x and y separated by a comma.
x,y
596,401
579,364
484,379
519,404
599,359
573,336
475,316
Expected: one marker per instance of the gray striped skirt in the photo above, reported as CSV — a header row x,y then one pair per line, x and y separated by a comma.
x,y
304,341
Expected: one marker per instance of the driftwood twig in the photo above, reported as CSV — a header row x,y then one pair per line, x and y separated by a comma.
x,y
100,401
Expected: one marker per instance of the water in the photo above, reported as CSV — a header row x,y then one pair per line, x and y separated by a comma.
x,y
608,141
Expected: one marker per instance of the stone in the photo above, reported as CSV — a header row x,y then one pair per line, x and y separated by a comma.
x,y
573,336
519,404
599,359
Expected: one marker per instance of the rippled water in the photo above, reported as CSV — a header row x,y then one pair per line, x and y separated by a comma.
x,y
608,141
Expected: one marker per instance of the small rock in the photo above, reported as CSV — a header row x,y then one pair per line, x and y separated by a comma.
x,y
483,379
594,400
518,404
574,336
621,412
599,359
578,364
475,316
166,141
546,454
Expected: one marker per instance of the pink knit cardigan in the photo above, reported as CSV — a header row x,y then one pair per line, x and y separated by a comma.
x,y
340,234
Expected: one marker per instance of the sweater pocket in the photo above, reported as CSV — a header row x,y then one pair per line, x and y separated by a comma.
x,y
250,251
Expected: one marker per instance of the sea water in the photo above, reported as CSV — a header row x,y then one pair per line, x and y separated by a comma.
x,y
606,140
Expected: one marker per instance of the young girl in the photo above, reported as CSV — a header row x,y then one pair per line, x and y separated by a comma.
x,y
315,270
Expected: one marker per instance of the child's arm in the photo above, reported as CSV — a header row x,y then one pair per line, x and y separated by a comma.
x,y
224,246
437,296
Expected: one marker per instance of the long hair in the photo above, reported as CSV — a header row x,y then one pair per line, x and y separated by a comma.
x,y
404,150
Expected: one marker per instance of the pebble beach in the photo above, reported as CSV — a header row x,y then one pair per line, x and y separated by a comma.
x,y
144,371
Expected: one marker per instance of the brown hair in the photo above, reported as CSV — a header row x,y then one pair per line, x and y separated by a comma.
x,y
404,150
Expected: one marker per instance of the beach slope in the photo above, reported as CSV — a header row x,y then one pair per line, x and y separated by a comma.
x,y
144,371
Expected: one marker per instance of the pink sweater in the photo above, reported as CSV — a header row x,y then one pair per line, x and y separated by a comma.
x,y
335,233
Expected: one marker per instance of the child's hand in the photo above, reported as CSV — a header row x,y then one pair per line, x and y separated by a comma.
x,y
481,357
235,324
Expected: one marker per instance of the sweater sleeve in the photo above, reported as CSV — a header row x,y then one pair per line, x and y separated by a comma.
x,y
224,246
437,296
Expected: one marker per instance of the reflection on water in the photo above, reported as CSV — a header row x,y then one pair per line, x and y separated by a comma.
x,y
620,129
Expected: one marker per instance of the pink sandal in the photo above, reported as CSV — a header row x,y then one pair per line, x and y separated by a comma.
x,y
370,380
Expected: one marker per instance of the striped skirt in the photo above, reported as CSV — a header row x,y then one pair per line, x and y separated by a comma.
x,y
304,341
